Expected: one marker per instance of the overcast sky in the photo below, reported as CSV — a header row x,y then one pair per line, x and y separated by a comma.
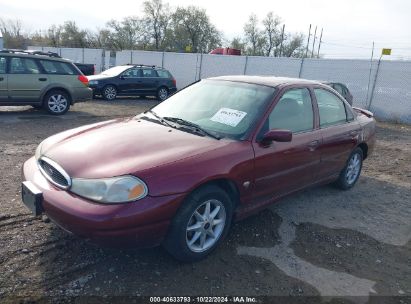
x,y
350,26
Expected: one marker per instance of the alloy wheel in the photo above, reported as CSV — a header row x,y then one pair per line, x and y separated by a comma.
x,y
57,103
206,225
110,93
353,168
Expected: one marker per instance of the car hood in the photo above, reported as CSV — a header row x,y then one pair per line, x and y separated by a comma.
x,y
98,77
126,146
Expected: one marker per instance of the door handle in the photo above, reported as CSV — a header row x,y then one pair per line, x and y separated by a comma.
x,y
42,79
313,145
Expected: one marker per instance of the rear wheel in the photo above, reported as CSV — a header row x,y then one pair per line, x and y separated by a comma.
x,y
351,172
200,225
162,93
57,102
109,92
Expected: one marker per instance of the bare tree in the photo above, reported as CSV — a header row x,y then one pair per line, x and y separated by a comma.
x,y
12,31
130,33
253,36
272,34
157,20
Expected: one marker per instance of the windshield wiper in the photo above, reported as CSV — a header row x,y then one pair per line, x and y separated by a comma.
x,y
159,118
192,125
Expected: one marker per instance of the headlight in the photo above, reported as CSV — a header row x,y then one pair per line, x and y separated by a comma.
x,y
93,82
120,189
38,151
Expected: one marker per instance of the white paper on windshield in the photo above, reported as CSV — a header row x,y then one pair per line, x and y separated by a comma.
x,y
228,116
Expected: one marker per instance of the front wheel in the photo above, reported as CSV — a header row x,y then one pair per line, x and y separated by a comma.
x,y
351,172
109,92
56,102
200,225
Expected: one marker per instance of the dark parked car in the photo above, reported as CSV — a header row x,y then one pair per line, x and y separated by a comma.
x,y
178,174
341,89
133,80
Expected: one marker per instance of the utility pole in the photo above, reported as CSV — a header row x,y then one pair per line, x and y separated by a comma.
x,y
282,39
369,76
308,41
319,44
315,33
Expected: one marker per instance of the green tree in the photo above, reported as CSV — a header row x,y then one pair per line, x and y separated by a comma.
x,y
272,34
191,26
128,34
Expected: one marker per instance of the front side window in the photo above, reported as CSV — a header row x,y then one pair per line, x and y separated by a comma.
x,y
132,73
230,109
23,66
294,112
56,67
2,65
331,108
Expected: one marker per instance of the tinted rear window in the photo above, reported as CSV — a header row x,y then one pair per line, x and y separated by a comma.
x,y
163,74
58,68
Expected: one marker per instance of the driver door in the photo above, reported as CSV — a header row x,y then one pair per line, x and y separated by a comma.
x,y
284,167
130,81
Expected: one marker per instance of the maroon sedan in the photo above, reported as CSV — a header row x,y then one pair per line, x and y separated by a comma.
x,y
178,174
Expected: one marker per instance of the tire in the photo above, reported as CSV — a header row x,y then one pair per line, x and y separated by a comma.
x,y
162,93
57,102
352,170
190,237
109,92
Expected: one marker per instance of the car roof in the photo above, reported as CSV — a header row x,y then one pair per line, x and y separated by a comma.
x,y
270,81
28,54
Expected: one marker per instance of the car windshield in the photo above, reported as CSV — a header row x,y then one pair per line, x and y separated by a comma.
x,y
115,70
229,109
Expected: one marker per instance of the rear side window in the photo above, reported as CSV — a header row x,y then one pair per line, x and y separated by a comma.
x,y
2,65
23,66
163,74
331,108
149,73
293,112
58,68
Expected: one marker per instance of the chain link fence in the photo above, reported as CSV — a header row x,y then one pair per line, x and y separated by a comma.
x,y
385,90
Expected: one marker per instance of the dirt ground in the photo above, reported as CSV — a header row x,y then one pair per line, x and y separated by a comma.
x,y
321,245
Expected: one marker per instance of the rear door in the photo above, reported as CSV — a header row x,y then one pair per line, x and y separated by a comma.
x,y
283,167
150,81
25,80
4,95
340,132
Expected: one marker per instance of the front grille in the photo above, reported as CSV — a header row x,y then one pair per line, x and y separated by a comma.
x,y
54,173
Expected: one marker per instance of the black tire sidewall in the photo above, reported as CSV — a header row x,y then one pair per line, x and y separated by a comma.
x,y
104,92
53,92
175,241
158,93
342,181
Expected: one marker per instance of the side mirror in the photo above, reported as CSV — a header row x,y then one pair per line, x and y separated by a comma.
x,y
277,135
122,77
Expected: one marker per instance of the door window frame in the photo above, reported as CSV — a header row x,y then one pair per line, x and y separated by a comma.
x,y
345,104
256,137
37,64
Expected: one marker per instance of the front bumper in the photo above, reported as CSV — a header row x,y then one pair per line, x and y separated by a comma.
x,y
143,223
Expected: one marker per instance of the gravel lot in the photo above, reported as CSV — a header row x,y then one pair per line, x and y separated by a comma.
x,y
338,247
